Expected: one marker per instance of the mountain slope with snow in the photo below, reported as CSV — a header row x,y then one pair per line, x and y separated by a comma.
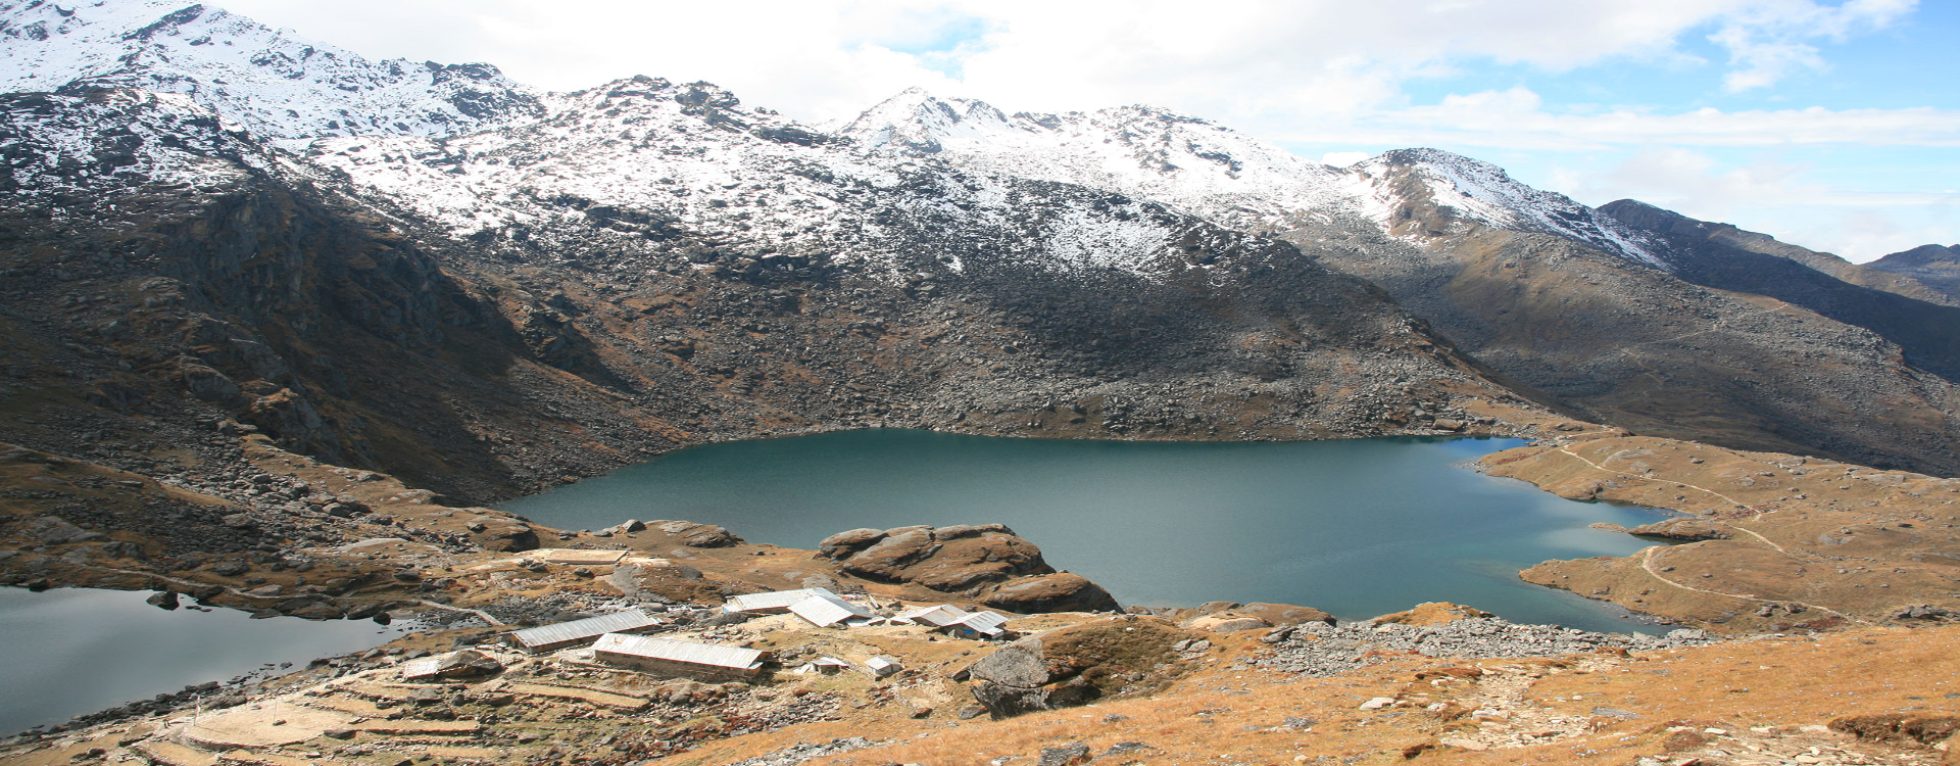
x,y
652,238
277,86
649,158
1224,175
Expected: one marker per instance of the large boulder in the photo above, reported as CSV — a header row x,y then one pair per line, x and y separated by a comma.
x,y
501,535
954,559
893,554
843,544
986,561
1077,665
696,535
1059,592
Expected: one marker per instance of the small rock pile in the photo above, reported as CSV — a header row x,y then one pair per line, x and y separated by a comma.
x,y
1319,650
805,751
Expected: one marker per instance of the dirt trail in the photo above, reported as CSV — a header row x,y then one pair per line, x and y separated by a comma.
x,y
1647,555
1738,503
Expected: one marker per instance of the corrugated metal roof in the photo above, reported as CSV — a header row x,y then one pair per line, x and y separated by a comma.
x,y
937,615
579,630
777,600
673,650
985,622
882,665
825,609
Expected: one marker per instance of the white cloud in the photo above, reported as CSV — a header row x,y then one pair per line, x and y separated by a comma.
x,y
1343,159
1233,60
1515,118
1769,41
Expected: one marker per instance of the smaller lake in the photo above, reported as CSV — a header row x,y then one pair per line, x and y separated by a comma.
x,y
79,650
1358,527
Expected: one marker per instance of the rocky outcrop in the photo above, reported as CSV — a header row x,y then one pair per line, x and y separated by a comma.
x,y
987,561
1432,613
503,535
951,559
696,535
1232,616
1077,665
1683,530
1059,592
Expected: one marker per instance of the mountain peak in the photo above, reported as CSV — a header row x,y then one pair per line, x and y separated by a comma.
x,y
266,81
1484,193
1924,255
916,120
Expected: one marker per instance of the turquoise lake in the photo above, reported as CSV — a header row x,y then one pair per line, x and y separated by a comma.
x,y
1356,527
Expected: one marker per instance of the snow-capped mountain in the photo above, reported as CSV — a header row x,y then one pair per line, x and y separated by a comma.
x,y
1135,150
645,157
54,148
277,86
647,236
1224,175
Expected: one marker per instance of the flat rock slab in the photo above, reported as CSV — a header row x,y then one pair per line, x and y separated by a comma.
x,y
358,707
410,726
576,556
395,692
268,725
605,699
172,754
266,759
467,753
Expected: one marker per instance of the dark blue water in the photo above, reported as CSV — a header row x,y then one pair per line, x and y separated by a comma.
x,y
1358,528
78,650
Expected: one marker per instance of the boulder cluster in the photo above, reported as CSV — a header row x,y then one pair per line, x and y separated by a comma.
x,y
987,562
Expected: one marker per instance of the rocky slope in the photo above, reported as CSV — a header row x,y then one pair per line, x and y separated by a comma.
x,y
1692,331
1725,258
1937,267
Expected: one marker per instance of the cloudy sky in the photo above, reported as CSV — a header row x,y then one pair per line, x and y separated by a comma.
x,y
1830,123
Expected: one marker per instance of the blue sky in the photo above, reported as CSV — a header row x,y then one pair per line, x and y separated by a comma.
x,y
1828,123
1861,196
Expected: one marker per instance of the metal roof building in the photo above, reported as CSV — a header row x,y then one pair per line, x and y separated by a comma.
x,y
958,621
777,601
681,658
937,615
825,665
988,624
882,666
827,609
546,638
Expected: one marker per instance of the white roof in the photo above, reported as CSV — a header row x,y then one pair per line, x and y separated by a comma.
x,y
673,650
579,630
831,661
882,665
937,615
826,609
763,602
